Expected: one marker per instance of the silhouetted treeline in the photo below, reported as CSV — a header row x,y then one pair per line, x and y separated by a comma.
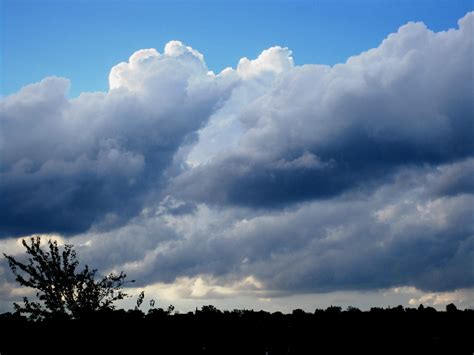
x,y
211,331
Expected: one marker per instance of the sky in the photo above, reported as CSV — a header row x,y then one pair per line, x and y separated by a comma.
x,y
247,154
82,39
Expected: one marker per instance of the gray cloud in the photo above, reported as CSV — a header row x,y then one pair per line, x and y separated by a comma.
x,y
399,235
307,178
97,159
454,179
407,102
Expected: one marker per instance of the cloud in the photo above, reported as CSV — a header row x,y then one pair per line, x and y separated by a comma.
x,y
303,179
407,102
255,77
462,298
402,235
97,159
271,61
454,179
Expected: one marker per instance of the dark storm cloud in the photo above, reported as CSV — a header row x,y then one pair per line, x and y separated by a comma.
x,y
320,131
97,159
369,164
455,179
401,235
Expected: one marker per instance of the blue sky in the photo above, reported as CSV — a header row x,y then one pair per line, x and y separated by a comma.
x,y
81,40
271,184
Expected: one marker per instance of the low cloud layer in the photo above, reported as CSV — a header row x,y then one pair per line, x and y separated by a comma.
x,y
406,233
300,179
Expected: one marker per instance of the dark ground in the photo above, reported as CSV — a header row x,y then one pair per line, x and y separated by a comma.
x,y
210,331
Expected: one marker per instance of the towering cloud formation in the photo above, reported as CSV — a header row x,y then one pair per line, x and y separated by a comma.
x,y
298,178
318,131
67,164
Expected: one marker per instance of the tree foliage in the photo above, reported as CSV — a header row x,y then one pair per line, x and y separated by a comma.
x,y
62,290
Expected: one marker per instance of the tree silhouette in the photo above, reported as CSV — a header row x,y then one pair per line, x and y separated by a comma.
x,y
61,289
451,308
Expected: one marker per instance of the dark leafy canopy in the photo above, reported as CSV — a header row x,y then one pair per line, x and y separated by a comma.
x,y
62,290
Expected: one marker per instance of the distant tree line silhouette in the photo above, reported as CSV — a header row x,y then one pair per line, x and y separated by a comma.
x,y
75,314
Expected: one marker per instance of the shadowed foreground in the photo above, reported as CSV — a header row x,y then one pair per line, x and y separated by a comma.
x,y
210,331
74,313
